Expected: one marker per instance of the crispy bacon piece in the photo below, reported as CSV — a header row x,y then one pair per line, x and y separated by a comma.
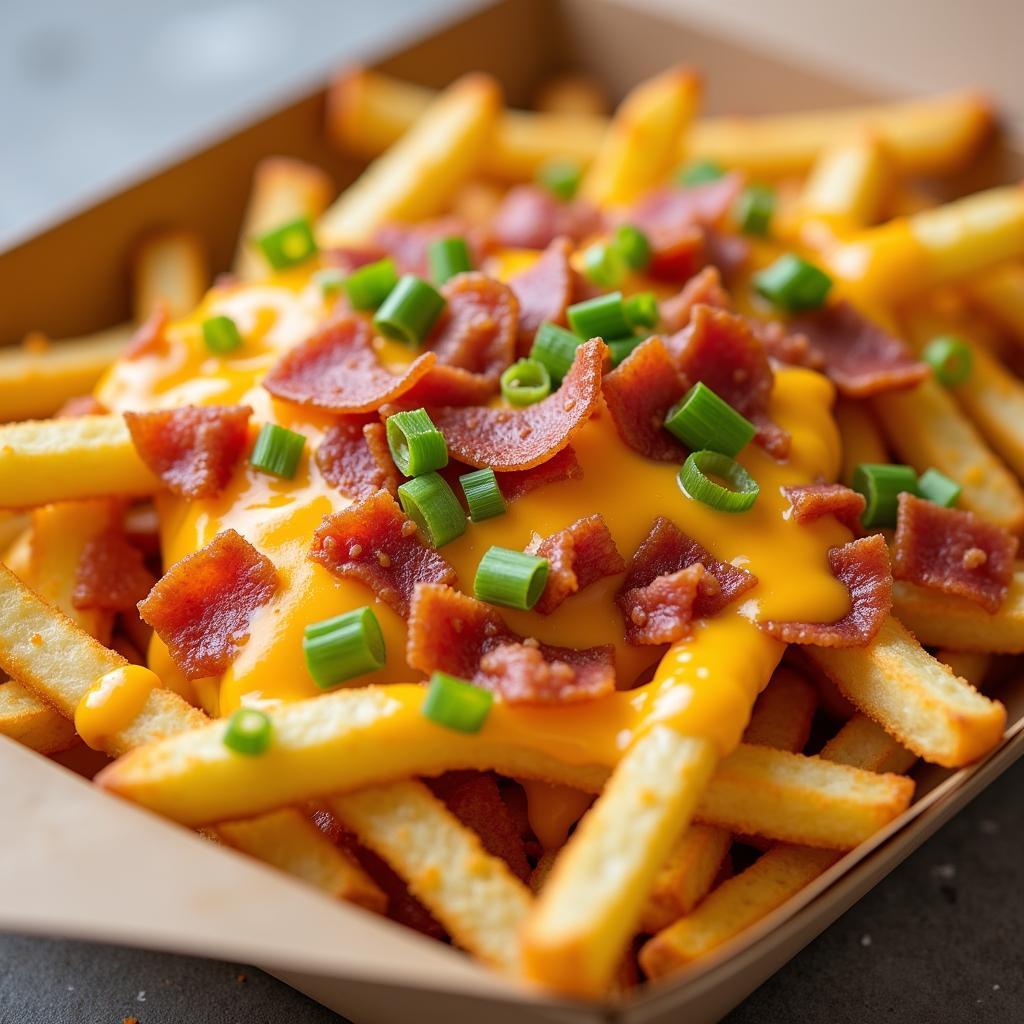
x,y
111,574
785,346
407,244
863,565
508,439
858,355
355,458
375,543
703,290
813,501
451,632
727,252
720,349
639,393
544,290
203,605
80,405
194,448
338,371
563,466
577,556
953,551
530,217
149,337
661,612
352,257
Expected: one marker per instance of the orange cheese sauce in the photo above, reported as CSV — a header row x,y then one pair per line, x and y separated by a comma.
x,y
114,700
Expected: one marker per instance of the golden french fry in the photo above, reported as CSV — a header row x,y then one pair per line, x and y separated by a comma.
x,y
861,436
25,718
574,95
283,189
421,172
972,666
18,555
863,743
917,699
13,525
169,267
640,147
783,714
474,895
999,292
586,913
43,461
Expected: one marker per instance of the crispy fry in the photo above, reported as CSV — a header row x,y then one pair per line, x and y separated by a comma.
x,y
972,666
999,292
23,717
783,714
282,190
43,461
574,95
419,175
640,146
863,743
586,914
916,698
861,436
169,267
18,555
13,525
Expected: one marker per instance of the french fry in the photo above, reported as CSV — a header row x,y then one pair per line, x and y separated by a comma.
x,y
26,719
999,292
169,267
13,525
973,666
861,436
43,461
420,173
585,916
916,698
862,743
18,555
574,95
640,147
473,894
783,714
283,189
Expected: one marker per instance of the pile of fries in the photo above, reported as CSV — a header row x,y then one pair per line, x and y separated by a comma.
x,y
669,852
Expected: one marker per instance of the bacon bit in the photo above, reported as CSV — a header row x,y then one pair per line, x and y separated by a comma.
x,y
784,346
577,556
858,355
530,217
720,349
813,501
203,605
705,290
446,385
111,574
544,290
639,393
407,244
451,632
352,257
863,565
150,336
338,371
953,551
728,252
661,612
563,466
193,448
368,542
81,405
508,439
355,458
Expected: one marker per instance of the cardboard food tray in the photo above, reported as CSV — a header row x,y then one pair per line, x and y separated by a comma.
x,y
76,862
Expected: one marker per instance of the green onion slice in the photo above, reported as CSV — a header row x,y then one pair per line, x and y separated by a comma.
x,y
417,446
622,347
950,358
600,317
220,335
431,504
330,281
603,264
447,257
555,348
561,178
700,419
699,172
289,245
409,311
370,285
483,495
641,309
882,484
343,647
632,243
700,478
456,704
755,209
938,488
277,451
525,382
510,578
249,731
793,284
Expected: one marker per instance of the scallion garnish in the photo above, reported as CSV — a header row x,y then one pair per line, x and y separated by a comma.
x,y
510,578
417,446
371,284
634,246
561,178
220,335
938,488
699,172
289,245
447,257
641,309
793,284
249,731
950,358
622,347
409,311
431,504
600,317
331,282
555,348
456,704
700,478
343,647
277,451
754,209
882,484
604,265
525,382
483,495
700,419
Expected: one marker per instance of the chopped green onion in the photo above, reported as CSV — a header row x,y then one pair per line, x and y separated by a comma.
x,y
277,451
331,282
417,446
632,243
699,172
447,257
699,479
793,284
525,382
343,647
600,317
249,732
882,484
220,335
431,504
483,495
289,245
938,488
950,358
409,311
510,578
641,309
700,419
620,348
370,285
554,348
560,177
755,209
456,704
604,265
